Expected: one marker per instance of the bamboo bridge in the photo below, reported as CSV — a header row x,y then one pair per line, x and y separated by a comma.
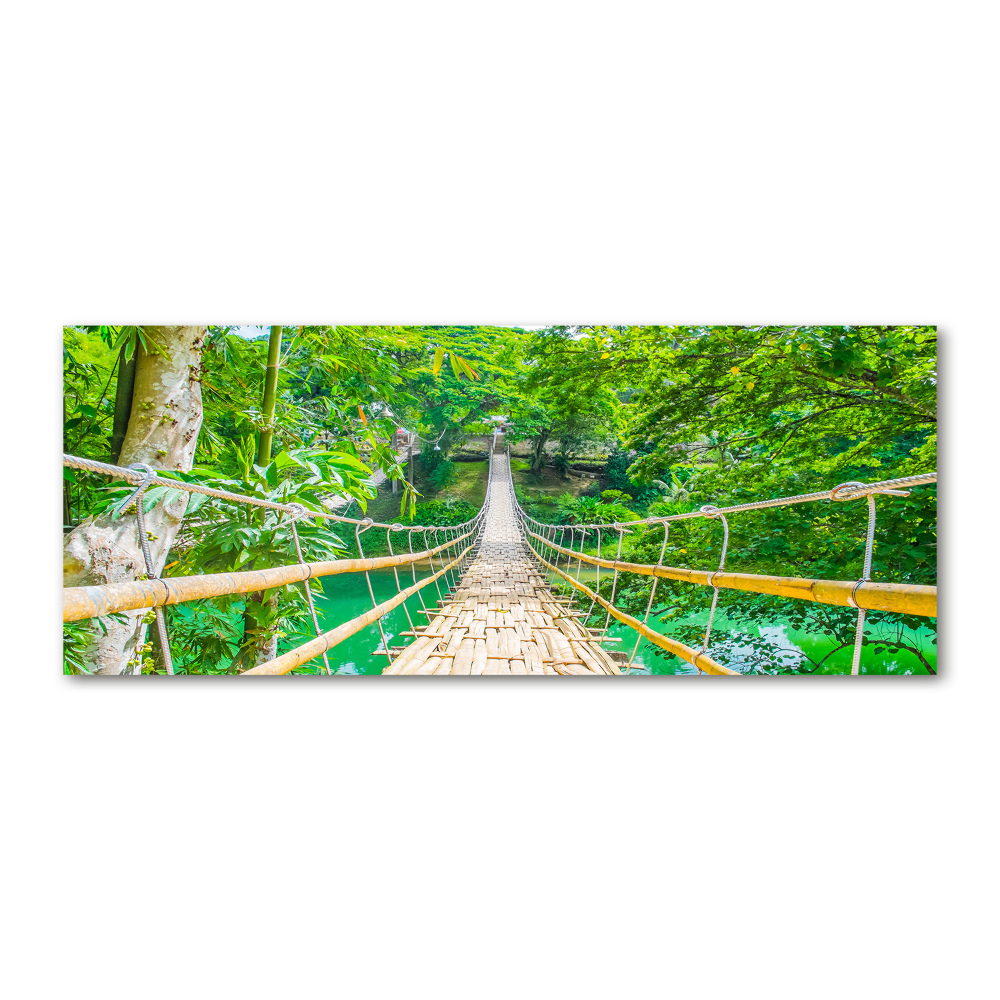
x,y
503,617
508,603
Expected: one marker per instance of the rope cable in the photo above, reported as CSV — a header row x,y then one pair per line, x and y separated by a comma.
x,y
305,582
712,512
368,580
149,475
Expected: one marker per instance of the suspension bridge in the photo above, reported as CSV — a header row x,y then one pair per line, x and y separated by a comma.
x,y
510,600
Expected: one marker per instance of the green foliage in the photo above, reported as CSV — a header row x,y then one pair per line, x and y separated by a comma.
x,y
821,540
205,637
450,510
725,415
615,475
226,537
591,510
229,536
436,472
77,636
129,338
833,397
687,415
677,491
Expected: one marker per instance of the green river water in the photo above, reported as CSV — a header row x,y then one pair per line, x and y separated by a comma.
x,y
347,596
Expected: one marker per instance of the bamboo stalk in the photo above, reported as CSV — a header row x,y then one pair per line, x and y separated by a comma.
x,y
908,598
270,395
90,602
316,647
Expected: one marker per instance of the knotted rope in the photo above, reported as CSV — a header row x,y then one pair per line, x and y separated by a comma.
x,y
149,474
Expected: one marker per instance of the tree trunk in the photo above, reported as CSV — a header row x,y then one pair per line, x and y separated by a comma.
x,y
270,395
538,460
124,388
166,415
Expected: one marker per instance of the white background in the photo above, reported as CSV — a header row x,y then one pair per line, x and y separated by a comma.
x,y
522,163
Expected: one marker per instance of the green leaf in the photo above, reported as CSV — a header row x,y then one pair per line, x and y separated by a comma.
x,y
470,372
438,360
268,473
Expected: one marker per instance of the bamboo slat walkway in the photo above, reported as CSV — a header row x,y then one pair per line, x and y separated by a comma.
x,y
503,617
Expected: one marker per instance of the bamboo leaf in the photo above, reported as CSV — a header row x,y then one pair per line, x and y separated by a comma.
x,y
468,369
438,360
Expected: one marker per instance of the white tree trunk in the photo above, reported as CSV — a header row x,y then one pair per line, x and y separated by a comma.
x,y
163,433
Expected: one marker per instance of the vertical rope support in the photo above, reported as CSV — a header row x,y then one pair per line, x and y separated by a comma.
x,y
140,516
614,585
427,545
413,569
866,575
597,585
450,539
305,582
569,565
368,579
395,569
445,557
550,538
562,539
579,564
652,595
709,511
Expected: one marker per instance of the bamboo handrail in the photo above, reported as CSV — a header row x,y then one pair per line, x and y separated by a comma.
x,y
700,660
912,599
318,646
93,602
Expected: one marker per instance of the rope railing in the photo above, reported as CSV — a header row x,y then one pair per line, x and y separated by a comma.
x,y
130,595
81,603
863,594
695,657
327,640
905,598
135,475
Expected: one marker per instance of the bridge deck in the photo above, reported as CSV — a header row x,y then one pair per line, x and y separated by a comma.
x,y
503,617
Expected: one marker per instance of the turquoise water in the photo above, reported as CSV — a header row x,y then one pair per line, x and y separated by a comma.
x,y
816,647
347,596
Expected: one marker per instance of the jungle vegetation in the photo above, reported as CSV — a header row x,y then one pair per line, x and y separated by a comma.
x,y
667,419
